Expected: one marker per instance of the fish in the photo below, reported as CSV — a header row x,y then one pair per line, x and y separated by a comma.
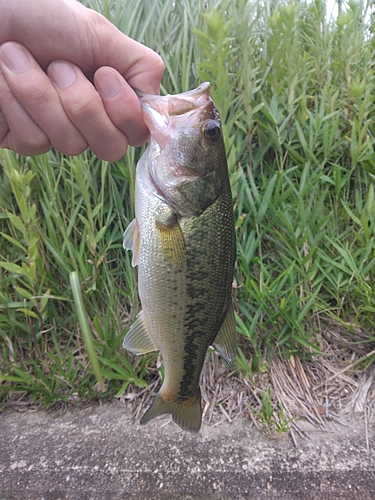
x,y
183,242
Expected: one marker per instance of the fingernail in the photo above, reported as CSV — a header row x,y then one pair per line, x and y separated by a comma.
x,y
14,57
107,84
62,74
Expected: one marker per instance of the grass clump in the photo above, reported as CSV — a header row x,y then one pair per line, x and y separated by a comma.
x,y
295,90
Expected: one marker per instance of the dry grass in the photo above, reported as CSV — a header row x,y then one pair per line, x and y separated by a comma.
x,y
335,386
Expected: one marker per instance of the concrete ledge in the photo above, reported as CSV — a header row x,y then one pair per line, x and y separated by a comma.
x,y
99,454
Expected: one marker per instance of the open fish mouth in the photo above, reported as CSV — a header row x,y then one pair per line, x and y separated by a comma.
x,y
193,96
182,127
159,111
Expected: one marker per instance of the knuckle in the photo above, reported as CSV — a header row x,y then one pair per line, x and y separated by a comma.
x,y
5,92
159,66
4,130
30,150
72,149
26,140
110,153
81,108
39,96
32,142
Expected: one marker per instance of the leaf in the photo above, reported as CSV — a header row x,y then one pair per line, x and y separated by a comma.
x,y
85,329
27,312
124,374
351,213
14,242
17,223
13,268
306,343
12,378
100,234
266,199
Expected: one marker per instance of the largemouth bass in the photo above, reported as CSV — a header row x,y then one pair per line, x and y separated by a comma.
x,y
183,242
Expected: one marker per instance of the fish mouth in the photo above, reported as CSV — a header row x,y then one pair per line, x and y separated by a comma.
x,y
193,97
160,111
175,124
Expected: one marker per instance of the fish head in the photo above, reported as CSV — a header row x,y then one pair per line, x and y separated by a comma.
x,y
186,154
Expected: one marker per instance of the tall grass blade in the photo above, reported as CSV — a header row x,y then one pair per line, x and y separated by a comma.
x,y
86,331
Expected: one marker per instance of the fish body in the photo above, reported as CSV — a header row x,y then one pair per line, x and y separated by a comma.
x,y
183,242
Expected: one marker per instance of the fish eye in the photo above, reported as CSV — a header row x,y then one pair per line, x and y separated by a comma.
x,y
211,131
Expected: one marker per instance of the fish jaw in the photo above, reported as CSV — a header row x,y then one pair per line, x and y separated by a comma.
x,y
167,116
158,110
184,159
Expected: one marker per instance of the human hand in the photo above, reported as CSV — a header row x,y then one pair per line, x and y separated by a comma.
x,y
50,53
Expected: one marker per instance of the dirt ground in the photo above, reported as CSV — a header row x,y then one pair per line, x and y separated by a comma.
x,y
98,453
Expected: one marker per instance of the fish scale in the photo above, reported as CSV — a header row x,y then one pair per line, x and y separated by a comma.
x,y
184,244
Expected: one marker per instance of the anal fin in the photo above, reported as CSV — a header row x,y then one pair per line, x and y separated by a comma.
x,y
138,339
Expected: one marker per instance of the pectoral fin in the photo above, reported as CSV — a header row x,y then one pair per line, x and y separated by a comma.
x,y
172,241
225,340
138,339
131,241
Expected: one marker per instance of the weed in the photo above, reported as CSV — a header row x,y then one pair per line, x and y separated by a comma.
x,y
296,95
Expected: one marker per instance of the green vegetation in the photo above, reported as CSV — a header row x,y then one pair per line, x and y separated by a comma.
x,y
296,95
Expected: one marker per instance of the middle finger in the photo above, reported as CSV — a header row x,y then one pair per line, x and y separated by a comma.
x,y
85,108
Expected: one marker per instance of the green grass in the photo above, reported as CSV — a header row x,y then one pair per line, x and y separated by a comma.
x,y
296,94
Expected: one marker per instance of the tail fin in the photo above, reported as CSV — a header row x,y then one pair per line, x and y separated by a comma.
x,y
187,415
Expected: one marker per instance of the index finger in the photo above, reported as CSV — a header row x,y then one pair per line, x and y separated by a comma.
x,y
146,71
122,105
